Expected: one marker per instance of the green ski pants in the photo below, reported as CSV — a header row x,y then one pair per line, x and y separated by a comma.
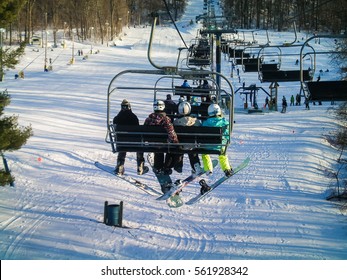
x,y
223,162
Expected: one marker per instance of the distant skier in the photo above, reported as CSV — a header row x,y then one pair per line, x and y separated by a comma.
x,y
170,107
204,105
185,84
216,120
127,117
284,104
169,100
205,85
298,100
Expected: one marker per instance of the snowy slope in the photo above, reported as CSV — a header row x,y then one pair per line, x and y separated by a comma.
x,y
274,209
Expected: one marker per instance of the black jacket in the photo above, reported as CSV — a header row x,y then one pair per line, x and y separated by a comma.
x,y
126,117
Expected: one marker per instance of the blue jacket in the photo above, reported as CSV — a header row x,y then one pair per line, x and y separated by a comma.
x,y
185,84
219,122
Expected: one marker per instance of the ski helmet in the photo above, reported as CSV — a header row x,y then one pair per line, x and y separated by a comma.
x,y
158,105
125,105
214,110
181,99
184,108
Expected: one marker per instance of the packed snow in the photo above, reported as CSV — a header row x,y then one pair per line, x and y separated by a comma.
x,y
275,209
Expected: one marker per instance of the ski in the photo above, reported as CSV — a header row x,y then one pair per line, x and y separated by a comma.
x,y
218,182
139,185
177,188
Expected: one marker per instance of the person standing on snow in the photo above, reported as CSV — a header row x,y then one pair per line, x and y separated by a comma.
x,y
266,102
284,104
162,163
127,117
216,120
184,110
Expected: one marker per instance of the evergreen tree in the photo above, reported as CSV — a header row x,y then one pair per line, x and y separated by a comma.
x,y
340,57
9,58
9,10
12,136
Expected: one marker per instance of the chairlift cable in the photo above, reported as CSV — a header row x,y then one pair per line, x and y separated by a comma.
x,y
179,33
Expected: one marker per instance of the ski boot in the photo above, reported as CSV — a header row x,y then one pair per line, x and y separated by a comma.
x,y
142,169
166,188
178,169
119,170
204,187
197,169
228,172
167,171
177,184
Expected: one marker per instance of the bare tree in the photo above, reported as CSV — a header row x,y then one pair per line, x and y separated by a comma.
x,y
310,15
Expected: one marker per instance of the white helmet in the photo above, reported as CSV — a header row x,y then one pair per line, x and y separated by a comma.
x,y
184,108
158,105
214,110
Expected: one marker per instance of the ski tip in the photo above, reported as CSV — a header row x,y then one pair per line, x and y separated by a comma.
x,y
189,203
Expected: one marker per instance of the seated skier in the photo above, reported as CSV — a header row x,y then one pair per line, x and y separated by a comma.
x,y
216,119
127,117
186,119
163,163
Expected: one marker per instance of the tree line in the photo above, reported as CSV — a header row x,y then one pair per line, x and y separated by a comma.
x,y
338,139
309,15
104,19
89,19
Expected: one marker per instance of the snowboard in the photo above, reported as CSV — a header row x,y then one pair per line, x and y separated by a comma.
x,y
139,185
218,182
164,180
177,188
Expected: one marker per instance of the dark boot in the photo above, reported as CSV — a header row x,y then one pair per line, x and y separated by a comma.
x,y
142,169
228,172
119,170
165,188
204,187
